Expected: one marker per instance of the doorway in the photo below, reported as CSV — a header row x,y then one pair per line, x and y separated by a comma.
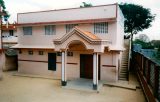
x,y
86,66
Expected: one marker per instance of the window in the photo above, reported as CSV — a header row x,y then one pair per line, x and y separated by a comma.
x,y
20,51
11,32
27,30
30,52
50,29
69,53
59,54
40,52
101,27
70,26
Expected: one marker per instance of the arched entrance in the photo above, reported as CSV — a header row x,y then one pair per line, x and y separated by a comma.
x,y
83,62
77,45
86,59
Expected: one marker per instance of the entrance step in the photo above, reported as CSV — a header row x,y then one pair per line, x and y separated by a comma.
x,y
82,85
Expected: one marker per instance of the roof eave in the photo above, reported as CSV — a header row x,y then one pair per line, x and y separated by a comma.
x,y
69,22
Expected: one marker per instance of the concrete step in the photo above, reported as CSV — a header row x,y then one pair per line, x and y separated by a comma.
x,y
124,65
124,61
125,79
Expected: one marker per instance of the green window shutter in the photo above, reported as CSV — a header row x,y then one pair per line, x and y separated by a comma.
x,y
52,61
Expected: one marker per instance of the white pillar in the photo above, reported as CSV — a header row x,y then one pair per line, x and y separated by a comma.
x,y
95,71
63,73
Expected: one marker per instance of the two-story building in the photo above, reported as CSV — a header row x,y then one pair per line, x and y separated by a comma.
x,y
72,43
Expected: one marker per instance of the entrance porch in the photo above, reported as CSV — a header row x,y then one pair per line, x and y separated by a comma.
x,y
89,47
88,67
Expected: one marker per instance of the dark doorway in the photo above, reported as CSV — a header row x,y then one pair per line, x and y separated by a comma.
x,y
86,66
52,61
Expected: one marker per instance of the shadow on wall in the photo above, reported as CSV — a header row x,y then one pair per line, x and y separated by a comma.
x,y
10,60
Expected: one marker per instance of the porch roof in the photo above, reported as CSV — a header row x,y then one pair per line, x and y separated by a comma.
x,y
88,36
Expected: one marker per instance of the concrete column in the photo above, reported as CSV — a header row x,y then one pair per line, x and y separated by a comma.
x,y
95,71
63,73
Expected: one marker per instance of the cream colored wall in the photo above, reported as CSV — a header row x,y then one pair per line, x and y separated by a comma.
x,y
38,37
73,70
41,68
109,73
38,68
70,14
120,28
38,34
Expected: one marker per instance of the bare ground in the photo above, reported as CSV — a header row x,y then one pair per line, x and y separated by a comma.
x,y
25,89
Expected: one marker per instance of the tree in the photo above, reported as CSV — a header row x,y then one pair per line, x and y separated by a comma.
x,y
144,37
86,5
137,18
158,53
145,45
6,16
156,43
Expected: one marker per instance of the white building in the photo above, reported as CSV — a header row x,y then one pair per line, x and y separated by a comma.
x,y
72,43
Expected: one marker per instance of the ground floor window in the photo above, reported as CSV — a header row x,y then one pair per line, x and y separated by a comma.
x,y
40,52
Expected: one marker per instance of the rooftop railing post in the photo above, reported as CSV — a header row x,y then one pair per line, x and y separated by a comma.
x,y
148,71
142,63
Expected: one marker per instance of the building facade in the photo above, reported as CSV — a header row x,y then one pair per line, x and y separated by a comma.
x,y
72,43
9,35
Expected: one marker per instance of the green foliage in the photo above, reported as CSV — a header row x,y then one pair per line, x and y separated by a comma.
x,y
6,16
158,53
137,18
2,4
145,45
86,4
155,43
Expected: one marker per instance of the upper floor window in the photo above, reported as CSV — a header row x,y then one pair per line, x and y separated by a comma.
x,y
27,30
50,29
69,27
101,27
11,32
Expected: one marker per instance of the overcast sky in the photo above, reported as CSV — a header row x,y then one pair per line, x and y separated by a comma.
x,y
19,6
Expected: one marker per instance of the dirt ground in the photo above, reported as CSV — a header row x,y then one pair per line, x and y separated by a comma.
x,y
25,89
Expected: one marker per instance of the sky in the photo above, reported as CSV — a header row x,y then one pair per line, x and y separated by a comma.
x,y
20,6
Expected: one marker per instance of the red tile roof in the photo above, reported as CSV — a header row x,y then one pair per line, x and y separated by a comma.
x,y
89,34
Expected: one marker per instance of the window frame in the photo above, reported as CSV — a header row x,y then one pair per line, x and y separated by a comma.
x,y
30,52
69,27
50,29
27,30
40,52
101,28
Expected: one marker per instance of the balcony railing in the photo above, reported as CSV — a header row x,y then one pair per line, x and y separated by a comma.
x,y
148,73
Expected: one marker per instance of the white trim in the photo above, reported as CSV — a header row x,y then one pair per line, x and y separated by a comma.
x,y
95,69
63,66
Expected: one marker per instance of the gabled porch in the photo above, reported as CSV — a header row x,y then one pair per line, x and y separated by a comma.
x,y
88,47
